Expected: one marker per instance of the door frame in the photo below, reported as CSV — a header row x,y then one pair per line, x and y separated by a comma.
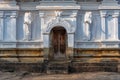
x,y
70,36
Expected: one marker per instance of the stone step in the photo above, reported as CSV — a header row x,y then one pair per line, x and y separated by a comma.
x,y
57,67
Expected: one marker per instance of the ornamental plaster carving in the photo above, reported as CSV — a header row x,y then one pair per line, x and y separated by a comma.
x,y
87,23
27,25
59,22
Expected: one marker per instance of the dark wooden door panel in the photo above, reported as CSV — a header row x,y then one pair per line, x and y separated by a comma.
x,y
58,41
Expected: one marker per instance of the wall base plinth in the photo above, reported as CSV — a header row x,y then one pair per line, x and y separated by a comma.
x,y
83,60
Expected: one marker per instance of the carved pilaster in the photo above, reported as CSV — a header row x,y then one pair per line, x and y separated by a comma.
x,y
1,25
103,15
45,38
13,20
41,14
115,19
10,26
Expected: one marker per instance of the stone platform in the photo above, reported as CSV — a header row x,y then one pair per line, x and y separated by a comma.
x,y
57,67
82,61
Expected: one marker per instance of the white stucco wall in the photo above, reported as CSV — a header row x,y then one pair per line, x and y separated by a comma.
x,y
35,26
105,31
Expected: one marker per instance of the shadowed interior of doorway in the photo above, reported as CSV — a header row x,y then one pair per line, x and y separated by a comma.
x,y
58,43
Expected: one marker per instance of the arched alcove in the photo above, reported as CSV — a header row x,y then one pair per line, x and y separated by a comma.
x,y
64,26
59,22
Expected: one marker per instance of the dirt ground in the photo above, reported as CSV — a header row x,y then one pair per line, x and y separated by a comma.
x,y
80,76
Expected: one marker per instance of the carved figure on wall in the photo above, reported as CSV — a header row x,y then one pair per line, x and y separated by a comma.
x,y
27,25
57,15
87,25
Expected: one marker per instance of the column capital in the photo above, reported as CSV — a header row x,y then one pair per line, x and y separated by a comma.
x,y
1,17
103,13
41,14
13,16
74,13
1,14
116,14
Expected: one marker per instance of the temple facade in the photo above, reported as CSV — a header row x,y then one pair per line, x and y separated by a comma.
x,y
60,36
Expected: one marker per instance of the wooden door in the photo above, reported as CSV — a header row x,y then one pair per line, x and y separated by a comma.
x,y
58,43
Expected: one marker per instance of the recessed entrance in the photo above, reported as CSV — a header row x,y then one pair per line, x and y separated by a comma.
x,y
58,43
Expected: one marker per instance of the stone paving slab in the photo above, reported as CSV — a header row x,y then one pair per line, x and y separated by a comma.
x,y
78,76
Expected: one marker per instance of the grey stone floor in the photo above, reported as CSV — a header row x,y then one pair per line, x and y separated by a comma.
x,y
80,76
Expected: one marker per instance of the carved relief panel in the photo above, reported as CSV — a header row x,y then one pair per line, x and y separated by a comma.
x,y
28,30
88,28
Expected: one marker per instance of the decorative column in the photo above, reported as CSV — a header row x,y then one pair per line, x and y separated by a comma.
x,y
45,38
13,23
115,18
1,25
103,24
71,34
41,14
10,26
10,12
109,9
70,49
46,46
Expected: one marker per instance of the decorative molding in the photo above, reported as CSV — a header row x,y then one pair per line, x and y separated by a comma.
x,y
41,14
103,13
9,5
109,4
97,44
58,5
59,22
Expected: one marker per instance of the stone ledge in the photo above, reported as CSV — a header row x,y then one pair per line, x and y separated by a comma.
x,y
57,7
30,67
93,67
21,45
74,67
54,5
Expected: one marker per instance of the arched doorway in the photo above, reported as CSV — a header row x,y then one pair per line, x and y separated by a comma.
x,y
58,43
